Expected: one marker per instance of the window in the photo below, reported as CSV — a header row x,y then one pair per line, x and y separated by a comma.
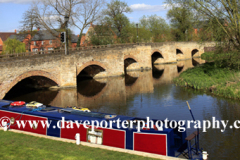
x,y
50,49
94,137
42,42
35,49
50,42
34,43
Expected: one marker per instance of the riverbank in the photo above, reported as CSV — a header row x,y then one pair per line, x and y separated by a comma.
x,y
218,80
21,146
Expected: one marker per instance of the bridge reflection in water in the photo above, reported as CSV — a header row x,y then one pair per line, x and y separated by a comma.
x,y
112,95
104,93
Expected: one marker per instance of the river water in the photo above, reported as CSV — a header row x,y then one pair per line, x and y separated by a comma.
x,y
152,94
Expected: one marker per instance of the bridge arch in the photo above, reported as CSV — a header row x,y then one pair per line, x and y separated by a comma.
x,y
180,54
178,51
36,73
130,60
91,68
195,52
157,57
130,57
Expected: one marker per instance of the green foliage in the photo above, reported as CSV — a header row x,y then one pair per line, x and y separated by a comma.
x,y
158,29
13,46
224,60
131,31
182,20
115,17
209,76
102,35
208,56
210,31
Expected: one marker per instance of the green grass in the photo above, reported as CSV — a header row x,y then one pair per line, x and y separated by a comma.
x,y
209,76
20,146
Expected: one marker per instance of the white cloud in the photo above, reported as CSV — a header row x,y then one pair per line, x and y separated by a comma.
x,y
16,1
150,8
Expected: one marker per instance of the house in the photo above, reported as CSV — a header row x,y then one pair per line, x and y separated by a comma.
x,y
25,38
45,40
4,36
74,40
83,38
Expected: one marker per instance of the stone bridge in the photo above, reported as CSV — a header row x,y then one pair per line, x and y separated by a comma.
x,y
63,70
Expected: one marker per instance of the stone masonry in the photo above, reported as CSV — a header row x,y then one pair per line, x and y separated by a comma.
x,y
64,69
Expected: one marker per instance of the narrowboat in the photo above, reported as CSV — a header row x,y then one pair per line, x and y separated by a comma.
x,y
167,141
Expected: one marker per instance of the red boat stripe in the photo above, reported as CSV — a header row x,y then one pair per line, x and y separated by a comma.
x,y
150,142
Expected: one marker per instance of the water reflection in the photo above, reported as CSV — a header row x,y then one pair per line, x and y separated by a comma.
x,y
151,93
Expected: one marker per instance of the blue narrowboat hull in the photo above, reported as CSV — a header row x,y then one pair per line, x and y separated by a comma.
x,y
168,142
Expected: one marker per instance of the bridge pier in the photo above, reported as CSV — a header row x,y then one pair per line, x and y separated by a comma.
x,y
68,76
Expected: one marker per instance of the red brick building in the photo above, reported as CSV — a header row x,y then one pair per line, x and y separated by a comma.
x,y
44,40
4,36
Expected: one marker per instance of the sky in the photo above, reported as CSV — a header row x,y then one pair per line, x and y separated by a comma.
x,y
11,12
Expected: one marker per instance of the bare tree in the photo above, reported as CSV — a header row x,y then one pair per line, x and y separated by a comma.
x,y
81,13
28,24
89,12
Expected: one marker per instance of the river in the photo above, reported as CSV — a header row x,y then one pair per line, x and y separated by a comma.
x,y
152,94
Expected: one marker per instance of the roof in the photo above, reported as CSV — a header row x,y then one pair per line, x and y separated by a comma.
x,y
44,35
74,38
19,37
4,35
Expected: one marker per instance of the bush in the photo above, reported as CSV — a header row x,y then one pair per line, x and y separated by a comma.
x,y
229,60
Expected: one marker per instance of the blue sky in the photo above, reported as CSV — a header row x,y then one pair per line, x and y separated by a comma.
x,y
11,12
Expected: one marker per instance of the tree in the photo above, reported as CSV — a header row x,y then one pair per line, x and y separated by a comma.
x,y
158,27
226,15
81,13
102,34
115,16
13,46
182,21
87,14
29,23
131,31
223,15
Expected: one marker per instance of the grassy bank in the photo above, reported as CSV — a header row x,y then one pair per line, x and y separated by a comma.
x,y
211,77
20,146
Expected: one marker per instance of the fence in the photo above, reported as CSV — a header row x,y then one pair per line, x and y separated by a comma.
x,y
69,50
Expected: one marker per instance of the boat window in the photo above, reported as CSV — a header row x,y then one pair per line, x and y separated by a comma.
x,y
95,136
48,109
6,106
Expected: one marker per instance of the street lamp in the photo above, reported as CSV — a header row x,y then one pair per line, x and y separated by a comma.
x,y
66,18
137,32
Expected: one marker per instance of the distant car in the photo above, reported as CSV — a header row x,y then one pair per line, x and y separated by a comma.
x,y
34,104
81,109
17,103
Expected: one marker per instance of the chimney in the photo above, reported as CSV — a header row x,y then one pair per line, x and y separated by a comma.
x,y
91,24
15,31
78,35
38,28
